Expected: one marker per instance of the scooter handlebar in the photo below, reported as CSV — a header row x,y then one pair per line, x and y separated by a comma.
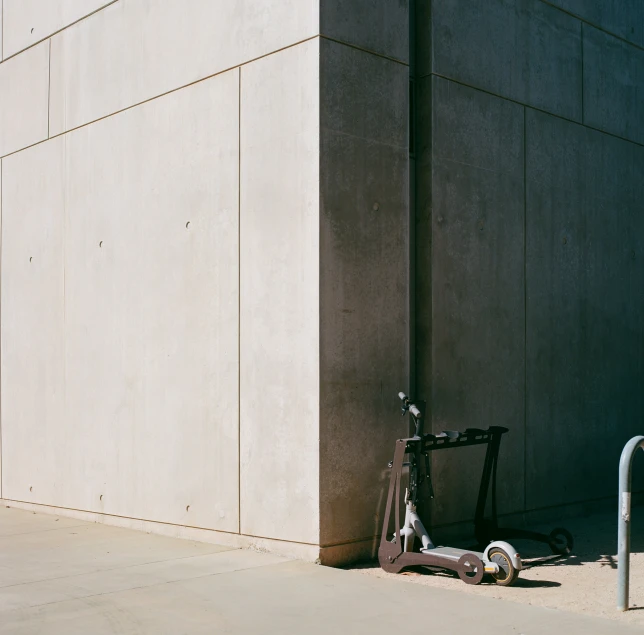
x,y
410,406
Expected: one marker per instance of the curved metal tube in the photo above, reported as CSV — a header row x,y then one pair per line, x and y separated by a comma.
x,y
624,520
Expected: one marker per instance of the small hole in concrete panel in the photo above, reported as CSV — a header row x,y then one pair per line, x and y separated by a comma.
x,y
100,497
565,240
31,258
31,489
32,30
187,507
188,225
100,244
376,207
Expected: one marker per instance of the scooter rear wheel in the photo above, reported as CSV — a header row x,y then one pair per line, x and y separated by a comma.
x,y
561,541
507,574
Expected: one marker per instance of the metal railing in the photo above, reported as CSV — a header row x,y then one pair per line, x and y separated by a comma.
x,y
624,520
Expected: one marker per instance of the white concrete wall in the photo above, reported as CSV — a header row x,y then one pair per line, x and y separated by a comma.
x,y
124,399
161,319
121,280
135,50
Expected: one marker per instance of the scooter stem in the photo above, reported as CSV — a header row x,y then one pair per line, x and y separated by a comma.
x,y
414,527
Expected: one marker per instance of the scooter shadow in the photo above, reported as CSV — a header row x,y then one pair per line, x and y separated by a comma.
x,y
487,580
573,559
535,584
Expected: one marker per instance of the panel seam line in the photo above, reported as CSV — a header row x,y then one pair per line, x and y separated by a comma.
x,y
49,93
581,38
593,25
164,94
364,50
239,116
525,308
51,35
531,107
1,355
159,522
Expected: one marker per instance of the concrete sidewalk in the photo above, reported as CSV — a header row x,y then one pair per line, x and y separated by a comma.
x,y
65,577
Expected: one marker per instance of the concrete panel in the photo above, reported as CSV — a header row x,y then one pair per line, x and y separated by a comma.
x,y
613,85
33,366
152,308
525,50
364,95
477,291
134,50
381,26
364,271
473,128
624,18
279,304
30,21
150,425
24,87
585,312
569,156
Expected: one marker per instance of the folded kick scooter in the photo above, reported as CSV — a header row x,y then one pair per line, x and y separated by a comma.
x,y
499,559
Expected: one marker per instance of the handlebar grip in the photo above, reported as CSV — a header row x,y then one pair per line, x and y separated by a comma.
x,y
403,397
414,411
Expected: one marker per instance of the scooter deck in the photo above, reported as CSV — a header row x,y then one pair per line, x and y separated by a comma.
x,y
451,553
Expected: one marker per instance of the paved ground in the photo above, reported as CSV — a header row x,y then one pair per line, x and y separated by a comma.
x,y
65,577
585,582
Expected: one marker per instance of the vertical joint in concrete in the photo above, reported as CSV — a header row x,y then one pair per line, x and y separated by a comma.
x,y
49,92
412,195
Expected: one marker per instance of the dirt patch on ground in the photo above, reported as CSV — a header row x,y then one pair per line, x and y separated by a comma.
x,y
584,582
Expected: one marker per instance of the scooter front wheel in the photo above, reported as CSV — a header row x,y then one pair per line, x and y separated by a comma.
x,y
507,575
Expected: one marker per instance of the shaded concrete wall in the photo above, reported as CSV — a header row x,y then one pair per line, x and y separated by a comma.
x,y
364,282
530,242
205,213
